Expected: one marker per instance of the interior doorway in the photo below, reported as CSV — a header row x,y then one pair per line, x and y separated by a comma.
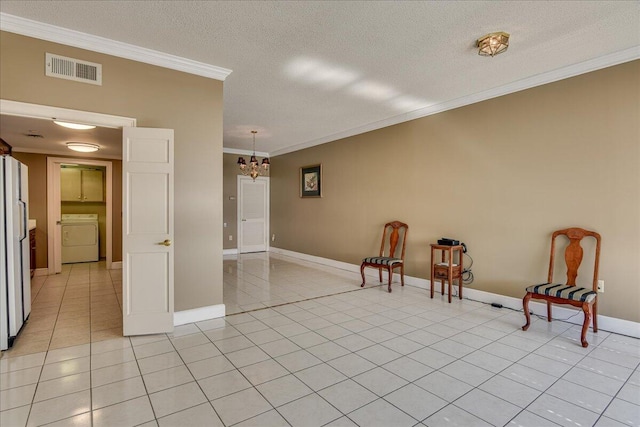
x,y
253,214
56,204
21,109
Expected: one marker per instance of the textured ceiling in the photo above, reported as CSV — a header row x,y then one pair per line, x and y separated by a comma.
x,y
307,71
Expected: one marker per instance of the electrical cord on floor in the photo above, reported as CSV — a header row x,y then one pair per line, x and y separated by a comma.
x,y
467,275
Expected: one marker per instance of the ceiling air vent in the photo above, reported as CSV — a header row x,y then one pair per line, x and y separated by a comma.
x,y
73,69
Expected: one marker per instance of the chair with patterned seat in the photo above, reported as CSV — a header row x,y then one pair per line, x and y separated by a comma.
x,y
569,293
387,259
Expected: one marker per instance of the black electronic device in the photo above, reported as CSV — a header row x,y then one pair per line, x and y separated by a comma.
x,y
448,242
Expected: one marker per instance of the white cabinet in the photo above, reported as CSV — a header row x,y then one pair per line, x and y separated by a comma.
x,y
81,185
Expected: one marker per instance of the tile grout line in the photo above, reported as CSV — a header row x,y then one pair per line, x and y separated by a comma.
x,y
391,307
47,351
90,352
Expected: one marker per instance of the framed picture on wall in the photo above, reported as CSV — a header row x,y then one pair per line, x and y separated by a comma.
x,y
311,181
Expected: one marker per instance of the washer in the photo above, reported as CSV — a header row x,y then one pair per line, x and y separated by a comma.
x,y
80,242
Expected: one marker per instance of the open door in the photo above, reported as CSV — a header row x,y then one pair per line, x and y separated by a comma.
x,y
147,228
253,214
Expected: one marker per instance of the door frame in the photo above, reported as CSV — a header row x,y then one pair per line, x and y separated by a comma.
x,y
54,240
266,214
37,111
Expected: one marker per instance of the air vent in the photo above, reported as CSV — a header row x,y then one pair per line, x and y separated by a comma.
x,y
73,69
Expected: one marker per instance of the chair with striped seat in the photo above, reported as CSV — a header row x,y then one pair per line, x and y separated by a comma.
x,y
387,259
569,293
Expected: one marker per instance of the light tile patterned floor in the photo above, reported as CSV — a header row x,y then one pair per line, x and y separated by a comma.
x,y
258,280
360,358
80,305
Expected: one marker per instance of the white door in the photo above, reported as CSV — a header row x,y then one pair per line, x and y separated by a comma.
x,y
253,214
147,228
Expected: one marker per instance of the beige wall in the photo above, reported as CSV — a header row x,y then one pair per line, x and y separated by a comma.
x,y
156,97
500,175
230,207
230,190
37,164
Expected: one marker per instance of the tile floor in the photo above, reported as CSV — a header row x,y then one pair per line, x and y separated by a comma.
x,y
359,358
78,306
254,281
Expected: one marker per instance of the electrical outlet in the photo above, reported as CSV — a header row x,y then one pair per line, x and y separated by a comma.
x,y
273,238
230,237
601,286
224,224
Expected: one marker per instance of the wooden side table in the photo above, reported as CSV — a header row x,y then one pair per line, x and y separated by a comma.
x,y
447,270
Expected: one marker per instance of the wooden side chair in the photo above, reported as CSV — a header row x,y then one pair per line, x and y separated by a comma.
x,y
397,232
569,293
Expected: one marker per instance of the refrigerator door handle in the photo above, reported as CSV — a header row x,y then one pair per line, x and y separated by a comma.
x,y
23,221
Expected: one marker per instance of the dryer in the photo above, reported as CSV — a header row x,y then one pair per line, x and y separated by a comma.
x,y
80,238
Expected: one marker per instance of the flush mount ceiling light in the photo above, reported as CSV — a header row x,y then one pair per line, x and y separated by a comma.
x,y
83,147
254,170
70,125
493,44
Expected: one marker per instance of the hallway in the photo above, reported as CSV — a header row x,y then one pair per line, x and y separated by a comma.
x,y
78,306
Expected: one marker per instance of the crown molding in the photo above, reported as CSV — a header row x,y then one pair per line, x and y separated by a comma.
x,y
244,152
52,33
595,64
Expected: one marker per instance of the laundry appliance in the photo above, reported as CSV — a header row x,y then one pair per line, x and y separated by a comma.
x,y
80,238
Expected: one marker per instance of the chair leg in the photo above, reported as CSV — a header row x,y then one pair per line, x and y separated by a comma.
x,y
402,274
525,306
380,274
548,311
362,273
595,315
390,277
450,289
585,325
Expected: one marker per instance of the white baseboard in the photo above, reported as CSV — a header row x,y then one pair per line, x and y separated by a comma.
x,y
116,265
606,323
198,314
324,261
229,251
41,272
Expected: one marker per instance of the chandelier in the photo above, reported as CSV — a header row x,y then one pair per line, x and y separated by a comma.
x,y
254,170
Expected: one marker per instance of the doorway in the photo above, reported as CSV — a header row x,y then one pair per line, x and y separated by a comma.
x,y
253,214
45,112
58,205
83,303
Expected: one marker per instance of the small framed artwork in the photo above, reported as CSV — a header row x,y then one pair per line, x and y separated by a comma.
x,y
311,181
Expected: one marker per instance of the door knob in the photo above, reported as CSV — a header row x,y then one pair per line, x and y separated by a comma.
x,y
166,242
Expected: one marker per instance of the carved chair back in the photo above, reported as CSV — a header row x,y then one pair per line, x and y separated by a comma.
x,y
397,231
573,254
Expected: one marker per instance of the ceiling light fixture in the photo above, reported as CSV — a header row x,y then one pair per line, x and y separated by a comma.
x,y
493,44
83,147
70,125
254,170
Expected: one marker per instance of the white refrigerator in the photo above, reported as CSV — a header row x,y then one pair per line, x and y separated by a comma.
x,y
15,280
